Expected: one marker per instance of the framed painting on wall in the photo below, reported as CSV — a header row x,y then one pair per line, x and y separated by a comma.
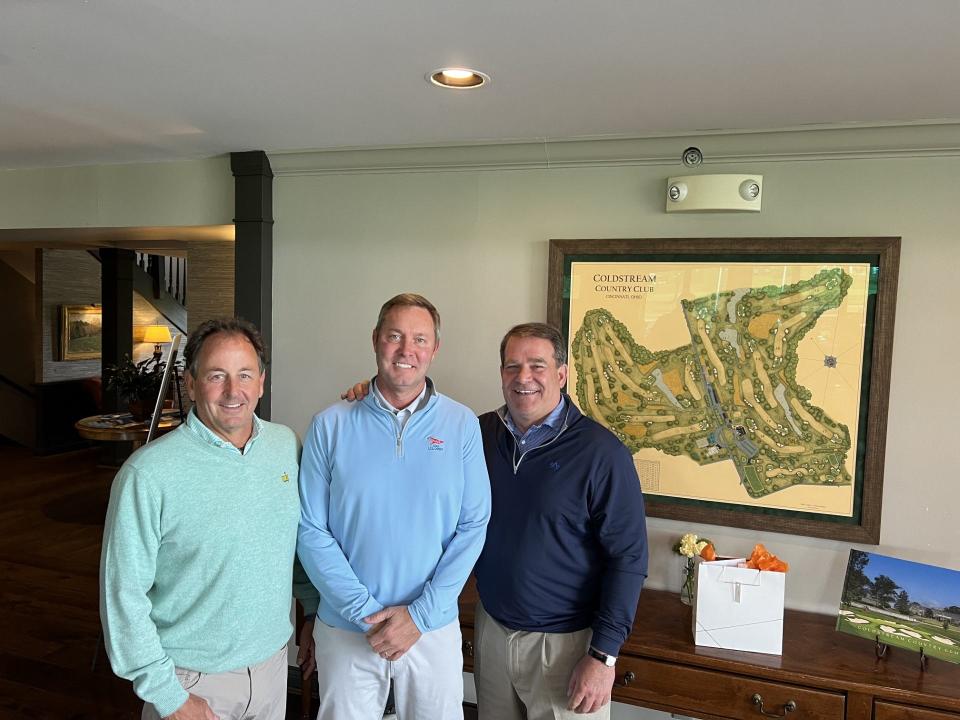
x,y
749,377
910,605
81,332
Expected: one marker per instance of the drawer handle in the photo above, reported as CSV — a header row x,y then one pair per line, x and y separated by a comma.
x,y
628,677
788,707
468,648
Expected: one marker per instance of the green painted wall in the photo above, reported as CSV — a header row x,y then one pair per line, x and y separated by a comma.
x,y
353,230
197,192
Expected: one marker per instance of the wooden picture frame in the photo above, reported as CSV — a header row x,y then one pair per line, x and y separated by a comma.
x,y
81,332
737,419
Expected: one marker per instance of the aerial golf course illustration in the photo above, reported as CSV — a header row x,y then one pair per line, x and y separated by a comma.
x,y
764,392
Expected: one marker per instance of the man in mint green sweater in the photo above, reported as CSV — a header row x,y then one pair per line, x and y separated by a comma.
x,y
198,549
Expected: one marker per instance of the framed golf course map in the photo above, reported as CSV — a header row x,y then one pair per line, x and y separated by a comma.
x,y
748,376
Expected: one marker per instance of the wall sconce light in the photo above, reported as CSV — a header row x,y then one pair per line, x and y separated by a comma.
x,y
157,334
714,193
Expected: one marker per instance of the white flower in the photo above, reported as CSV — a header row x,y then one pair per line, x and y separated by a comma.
x,y
688,545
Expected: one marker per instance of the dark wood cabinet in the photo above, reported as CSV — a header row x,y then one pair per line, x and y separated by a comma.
x,y
821,675
695,691
895,711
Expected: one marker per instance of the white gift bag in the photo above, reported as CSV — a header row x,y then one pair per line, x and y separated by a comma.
x,y
738,608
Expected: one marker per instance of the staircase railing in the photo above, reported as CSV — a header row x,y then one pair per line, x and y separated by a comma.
x,y
169,274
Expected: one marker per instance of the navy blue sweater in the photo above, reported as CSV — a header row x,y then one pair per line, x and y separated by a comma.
x,y
566,546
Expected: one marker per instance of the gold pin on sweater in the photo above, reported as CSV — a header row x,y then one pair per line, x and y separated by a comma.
x,y
285,477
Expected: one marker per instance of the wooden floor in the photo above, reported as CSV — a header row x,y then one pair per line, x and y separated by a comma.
x,y
51,524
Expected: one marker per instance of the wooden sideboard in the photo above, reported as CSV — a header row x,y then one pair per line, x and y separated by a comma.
x,y
826,674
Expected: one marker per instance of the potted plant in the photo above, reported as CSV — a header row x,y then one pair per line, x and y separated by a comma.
x,y
137,383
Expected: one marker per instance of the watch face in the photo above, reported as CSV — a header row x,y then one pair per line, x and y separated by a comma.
x,y
608,660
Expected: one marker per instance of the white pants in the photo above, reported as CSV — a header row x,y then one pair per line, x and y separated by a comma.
x,y
354,681
258,692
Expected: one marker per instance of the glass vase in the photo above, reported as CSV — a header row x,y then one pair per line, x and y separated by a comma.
x,y
686,589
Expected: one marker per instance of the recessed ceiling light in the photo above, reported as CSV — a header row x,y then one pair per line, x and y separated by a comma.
x,y
458,78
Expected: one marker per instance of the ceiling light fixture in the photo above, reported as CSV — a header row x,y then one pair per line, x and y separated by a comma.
x,y
458,78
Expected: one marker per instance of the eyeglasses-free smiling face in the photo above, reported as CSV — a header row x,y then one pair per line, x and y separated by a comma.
x,y
532,382
405,347
227,386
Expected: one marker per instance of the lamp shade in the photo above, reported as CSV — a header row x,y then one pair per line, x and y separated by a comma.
x,y
156,334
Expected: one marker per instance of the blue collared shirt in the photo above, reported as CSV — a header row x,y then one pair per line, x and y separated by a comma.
x,y
536,435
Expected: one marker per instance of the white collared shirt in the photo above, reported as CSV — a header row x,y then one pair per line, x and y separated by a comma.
x,y
404,414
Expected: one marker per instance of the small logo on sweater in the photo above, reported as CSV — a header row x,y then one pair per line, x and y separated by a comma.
x,y
555,466
285,478
434,443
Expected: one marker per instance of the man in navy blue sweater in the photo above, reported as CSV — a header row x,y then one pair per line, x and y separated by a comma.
x,y
566,551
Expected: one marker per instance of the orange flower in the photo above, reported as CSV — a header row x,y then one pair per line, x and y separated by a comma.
x,y
763,559
708,553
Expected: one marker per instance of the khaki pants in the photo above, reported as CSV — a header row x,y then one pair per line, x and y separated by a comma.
x,y
258,692
524,675
354,681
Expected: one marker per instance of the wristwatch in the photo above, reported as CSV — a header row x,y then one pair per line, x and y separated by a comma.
x,y
608,660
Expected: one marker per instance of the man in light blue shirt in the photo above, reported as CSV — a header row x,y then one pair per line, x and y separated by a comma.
x,y
395,502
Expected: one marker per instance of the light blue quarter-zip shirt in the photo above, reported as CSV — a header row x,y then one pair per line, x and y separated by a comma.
x,y
391,514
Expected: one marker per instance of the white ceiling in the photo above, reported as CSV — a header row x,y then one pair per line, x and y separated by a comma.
x,y
105,81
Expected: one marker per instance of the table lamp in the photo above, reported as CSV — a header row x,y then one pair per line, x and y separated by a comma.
x,y
157,334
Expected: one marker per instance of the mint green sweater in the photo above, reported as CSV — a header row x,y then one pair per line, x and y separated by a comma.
x,y
197,557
